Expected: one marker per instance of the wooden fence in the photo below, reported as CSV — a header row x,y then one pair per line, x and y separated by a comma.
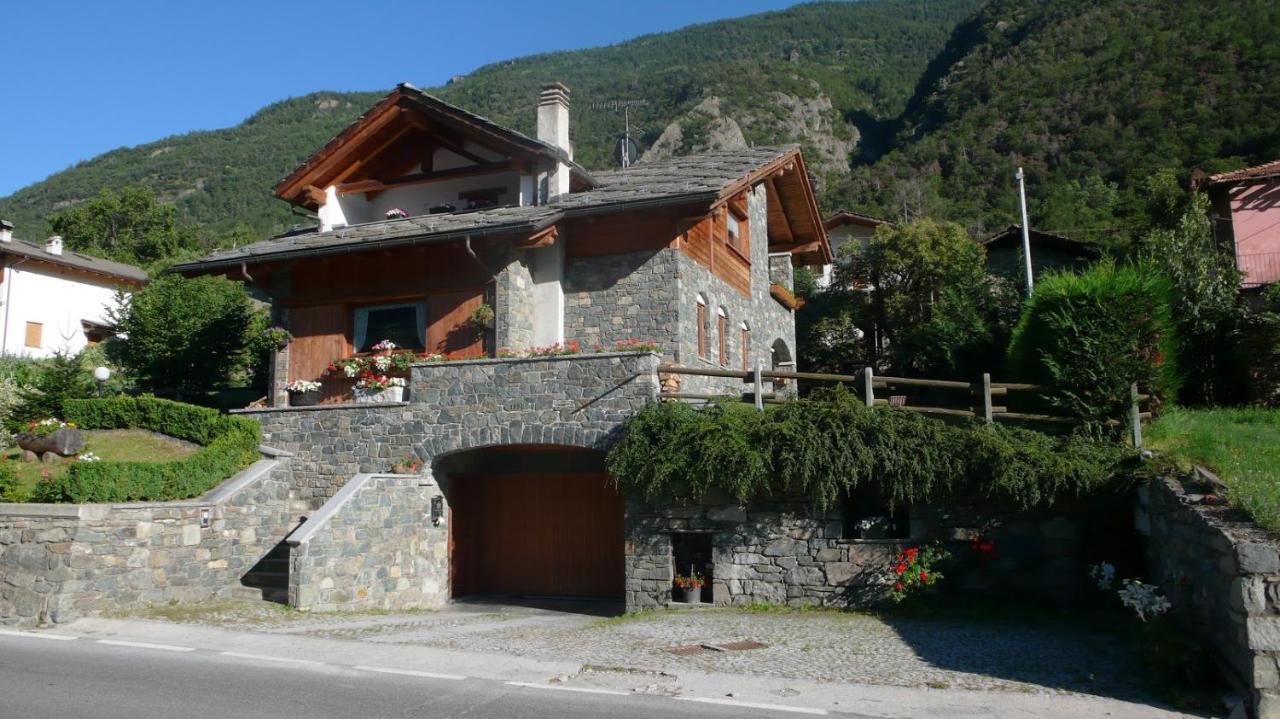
x,y
979,398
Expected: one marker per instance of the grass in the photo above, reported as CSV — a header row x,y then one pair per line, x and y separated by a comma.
x,y
112,445
1241,445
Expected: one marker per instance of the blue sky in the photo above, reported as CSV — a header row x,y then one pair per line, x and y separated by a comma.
x,y
80,78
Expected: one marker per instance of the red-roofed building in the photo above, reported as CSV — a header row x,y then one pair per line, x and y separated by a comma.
x,y
1246,206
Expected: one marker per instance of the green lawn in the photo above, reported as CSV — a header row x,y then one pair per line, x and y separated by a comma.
x,y
111,445
1241,445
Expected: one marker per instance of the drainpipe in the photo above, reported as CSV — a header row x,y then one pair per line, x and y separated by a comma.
x,y
8,293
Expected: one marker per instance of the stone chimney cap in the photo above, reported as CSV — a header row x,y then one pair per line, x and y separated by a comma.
x,y
6,225
552,93
53,245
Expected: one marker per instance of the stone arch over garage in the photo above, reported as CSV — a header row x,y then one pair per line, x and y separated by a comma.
x,y
532,520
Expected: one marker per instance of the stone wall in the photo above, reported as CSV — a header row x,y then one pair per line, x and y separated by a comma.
x,y
621,297
58,562
576,400
1222,575
374,548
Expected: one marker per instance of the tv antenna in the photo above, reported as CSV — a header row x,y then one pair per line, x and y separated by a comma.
x,y
625,150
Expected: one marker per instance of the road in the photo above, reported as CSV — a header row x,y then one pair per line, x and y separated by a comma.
x,y
42,677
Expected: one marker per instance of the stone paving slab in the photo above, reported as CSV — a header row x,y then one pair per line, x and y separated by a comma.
x,y
1038,657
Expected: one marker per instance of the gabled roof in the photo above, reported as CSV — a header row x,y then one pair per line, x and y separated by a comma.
x,y
1268,169
402,109
1013,234
705,180
840,218
115,271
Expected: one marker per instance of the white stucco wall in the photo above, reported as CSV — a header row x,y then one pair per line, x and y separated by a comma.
x,y
36,293
839,237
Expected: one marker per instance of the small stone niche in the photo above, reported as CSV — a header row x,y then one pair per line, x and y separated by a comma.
x,y
691,551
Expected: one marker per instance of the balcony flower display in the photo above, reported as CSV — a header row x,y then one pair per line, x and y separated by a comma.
x,y
374,387
303,393
396,213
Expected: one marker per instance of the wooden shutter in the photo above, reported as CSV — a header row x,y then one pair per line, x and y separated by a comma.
x,y
702,330
722,328
35,333
746,346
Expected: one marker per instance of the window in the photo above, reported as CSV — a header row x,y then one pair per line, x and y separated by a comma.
x,y
722,332
736,224
746,347
702,326
35,333
405,325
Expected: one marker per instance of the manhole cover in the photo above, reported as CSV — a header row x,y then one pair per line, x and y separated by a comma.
x,y
740,646
687,650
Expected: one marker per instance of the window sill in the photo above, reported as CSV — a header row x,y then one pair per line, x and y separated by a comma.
x,y
737,253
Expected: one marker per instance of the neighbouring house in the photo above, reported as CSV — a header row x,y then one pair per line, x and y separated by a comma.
x,y
843,228
56,299
1246,217
1049,251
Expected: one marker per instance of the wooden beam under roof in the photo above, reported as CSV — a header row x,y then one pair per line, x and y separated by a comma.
x,y
542,238
360,186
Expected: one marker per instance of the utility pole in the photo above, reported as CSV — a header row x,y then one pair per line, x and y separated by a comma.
x,y
1026,230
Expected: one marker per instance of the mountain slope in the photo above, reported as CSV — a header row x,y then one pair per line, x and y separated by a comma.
x,y
797,75
1091,96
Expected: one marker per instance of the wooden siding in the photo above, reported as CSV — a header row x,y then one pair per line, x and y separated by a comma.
x,y
449,328
707,242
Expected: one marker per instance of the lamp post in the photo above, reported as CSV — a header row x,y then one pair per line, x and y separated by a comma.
x,y
102,374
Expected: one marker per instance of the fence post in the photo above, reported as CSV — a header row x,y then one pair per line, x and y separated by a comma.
x,y
1135,411
986,397
869,386
759,387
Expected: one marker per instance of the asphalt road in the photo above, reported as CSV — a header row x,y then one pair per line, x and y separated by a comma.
x,y
42,678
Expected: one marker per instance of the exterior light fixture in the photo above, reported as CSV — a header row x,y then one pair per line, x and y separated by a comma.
x,y
102,374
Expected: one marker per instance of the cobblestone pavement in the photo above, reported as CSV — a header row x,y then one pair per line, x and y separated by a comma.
x,y
1020,655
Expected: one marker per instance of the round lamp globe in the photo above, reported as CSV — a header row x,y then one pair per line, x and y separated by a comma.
x,y
102,374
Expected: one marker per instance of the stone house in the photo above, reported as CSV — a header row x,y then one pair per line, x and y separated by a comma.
x,y
470,242
55,299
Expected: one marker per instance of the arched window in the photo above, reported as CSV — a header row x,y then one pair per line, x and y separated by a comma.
x,y
702,326
722,332
746,347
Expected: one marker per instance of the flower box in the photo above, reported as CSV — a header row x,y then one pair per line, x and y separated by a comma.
x,y
368,395
309,398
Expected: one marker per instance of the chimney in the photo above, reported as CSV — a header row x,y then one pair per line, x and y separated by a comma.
x,y
553,129
53,245
6,231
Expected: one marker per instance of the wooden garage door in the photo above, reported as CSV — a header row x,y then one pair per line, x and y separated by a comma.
x,y
536,535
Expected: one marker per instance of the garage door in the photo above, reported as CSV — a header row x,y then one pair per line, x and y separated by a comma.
x,y
528,535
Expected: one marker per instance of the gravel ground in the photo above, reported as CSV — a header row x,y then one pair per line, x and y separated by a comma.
x,y
1022,655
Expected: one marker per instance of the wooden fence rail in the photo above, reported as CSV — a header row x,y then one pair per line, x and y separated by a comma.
x,y
984,394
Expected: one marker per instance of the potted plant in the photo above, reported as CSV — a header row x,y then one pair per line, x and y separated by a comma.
x,y
482,316
371,388
384,348
690,587
396,213
303,393
409,464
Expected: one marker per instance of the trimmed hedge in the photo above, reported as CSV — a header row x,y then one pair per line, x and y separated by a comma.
x,y
1089,336
831,443
229,444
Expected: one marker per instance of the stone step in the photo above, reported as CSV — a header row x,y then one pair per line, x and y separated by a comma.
x,y
265,579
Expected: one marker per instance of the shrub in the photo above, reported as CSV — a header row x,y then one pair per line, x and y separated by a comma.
x,y
1089,336
228,445
60,379
11,490
830,443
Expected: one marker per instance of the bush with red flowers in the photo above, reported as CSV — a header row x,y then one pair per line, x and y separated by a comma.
x,y
916,568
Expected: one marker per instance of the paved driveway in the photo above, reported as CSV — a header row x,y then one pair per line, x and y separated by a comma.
x,y
1042,655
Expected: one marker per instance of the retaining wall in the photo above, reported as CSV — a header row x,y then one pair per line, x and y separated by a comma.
x,y
373,546
61,561
1222,575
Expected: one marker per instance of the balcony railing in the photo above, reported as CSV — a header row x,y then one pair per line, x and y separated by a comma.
x,y
1261,268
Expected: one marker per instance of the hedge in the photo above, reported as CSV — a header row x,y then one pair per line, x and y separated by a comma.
x,y
229,444
831,443
1089,336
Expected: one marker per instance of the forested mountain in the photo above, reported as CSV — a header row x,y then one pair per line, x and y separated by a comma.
x,y
794,75
905,107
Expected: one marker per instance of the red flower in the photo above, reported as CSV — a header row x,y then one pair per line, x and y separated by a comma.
x,y
900,568
987,546
924,576
910,553
899,586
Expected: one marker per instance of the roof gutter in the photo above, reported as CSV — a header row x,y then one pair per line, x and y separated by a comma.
x,y
233,262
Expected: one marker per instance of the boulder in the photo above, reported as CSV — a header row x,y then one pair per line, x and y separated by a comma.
x,y
64,442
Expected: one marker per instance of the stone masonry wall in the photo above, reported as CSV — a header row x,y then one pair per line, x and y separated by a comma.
x,y
622,297
577,400
58,562
1222,575
378,551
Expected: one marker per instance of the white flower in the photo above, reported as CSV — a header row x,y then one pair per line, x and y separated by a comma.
x,y
395,381
350,370
303,385
382,363
1143,599
89,457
